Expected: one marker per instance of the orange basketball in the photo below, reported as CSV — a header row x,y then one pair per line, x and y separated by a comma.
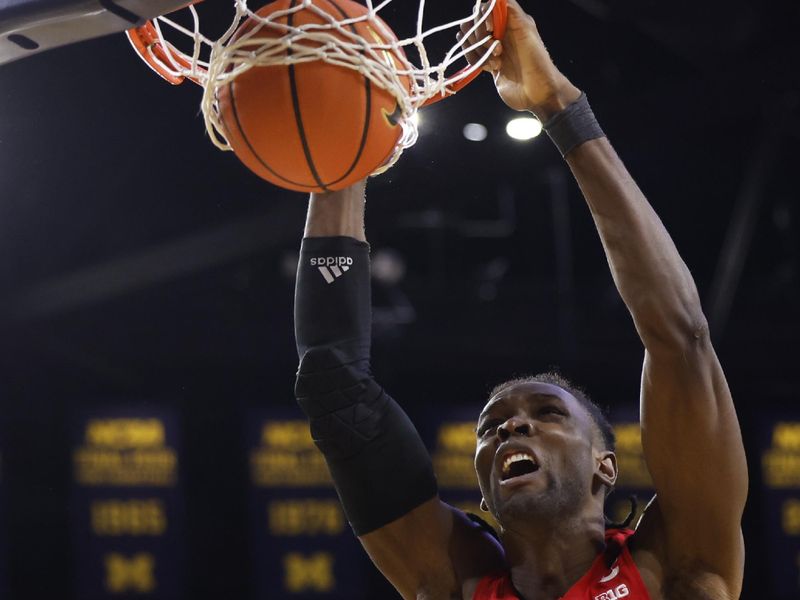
x,y
311,126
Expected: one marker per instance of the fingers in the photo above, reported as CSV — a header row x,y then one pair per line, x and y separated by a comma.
x,y
494,62
478,51
476,39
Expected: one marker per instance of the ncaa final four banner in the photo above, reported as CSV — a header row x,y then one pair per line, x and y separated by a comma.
x,y
779,442
127,505
303,547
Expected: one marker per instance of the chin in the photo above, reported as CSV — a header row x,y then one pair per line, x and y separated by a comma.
x,y
529,507
551,504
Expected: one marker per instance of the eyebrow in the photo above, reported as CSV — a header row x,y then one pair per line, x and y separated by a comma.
x,y
494,403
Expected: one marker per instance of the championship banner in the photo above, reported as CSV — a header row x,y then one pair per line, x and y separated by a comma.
x,y
127,505
634,478
780,472
303,547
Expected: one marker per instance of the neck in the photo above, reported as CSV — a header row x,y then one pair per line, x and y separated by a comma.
x,y
546,559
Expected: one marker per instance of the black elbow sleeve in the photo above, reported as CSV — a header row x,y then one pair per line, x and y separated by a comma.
x,y
378,462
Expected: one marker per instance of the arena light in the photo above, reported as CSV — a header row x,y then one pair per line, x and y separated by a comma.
x,y
475,132
388,266
524,128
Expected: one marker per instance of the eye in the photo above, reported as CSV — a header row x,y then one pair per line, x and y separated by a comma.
x,y
487,426
551,409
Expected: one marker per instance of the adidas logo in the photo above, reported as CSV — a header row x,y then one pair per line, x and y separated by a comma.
x,y
332,267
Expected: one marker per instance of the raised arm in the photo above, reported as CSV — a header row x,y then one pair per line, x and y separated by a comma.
x,y
690,431
380,467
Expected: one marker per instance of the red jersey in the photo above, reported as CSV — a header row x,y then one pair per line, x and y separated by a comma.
x,y
601,582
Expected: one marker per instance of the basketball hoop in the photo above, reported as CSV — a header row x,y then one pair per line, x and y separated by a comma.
x,y
215,63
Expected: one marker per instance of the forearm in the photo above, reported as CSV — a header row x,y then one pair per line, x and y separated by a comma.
x,y
361,431
332,295
652,279
337,213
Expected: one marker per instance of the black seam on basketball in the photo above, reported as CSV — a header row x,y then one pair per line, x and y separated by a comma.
x,y
250,146
368,106
299,117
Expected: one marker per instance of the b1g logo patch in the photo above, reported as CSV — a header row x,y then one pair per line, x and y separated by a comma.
x,y
332,267
618,592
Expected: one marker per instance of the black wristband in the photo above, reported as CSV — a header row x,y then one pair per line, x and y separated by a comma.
x,y
573,126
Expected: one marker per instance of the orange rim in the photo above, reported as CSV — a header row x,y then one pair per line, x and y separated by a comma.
x,y
148,46
499,22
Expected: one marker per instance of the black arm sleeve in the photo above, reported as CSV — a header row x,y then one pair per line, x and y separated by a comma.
x,y
378,462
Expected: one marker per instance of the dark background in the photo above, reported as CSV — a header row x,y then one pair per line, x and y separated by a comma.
x,y
137,262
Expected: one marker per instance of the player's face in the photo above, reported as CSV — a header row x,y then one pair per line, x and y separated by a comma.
x,y
535,456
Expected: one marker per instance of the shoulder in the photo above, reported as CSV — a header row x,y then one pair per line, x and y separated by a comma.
x,y
431,551
670,574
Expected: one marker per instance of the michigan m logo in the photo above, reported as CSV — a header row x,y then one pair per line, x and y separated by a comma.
x,y
314,573
134,574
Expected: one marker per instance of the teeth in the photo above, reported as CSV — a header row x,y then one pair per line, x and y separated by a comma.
x,y
516,458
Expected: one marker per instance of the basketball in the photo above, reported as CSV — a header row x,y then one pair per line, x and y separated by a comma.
x,y
311,126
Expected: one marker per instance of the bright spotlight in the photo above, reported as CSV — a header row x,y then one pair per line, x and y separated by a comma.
x,y
475,132
524,128
416,120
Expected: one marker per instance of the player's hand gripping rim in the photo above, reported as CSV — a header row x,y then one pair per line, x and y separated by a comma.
x,y
524,74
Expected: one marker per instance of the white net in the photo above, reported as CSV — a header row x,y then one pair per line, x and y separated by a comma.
x,y
254,41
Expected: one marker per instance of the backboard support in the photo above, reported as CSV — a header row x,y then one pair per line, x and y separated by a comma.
x,y
28,27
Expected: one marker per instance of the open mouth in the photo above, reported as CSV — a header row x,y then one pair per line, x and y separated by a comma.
x,y
518,464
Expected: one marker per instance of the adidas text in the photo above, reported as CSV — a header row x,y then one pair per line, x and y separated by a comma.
x,y
329,261
332,267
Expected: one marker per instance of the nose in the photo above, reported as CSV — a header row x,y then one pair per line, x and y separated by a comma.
x,y
513,426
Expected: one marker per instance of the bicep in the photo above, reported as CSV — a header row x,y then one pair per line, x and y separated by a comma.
x,y
693,448
686,579
432,550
